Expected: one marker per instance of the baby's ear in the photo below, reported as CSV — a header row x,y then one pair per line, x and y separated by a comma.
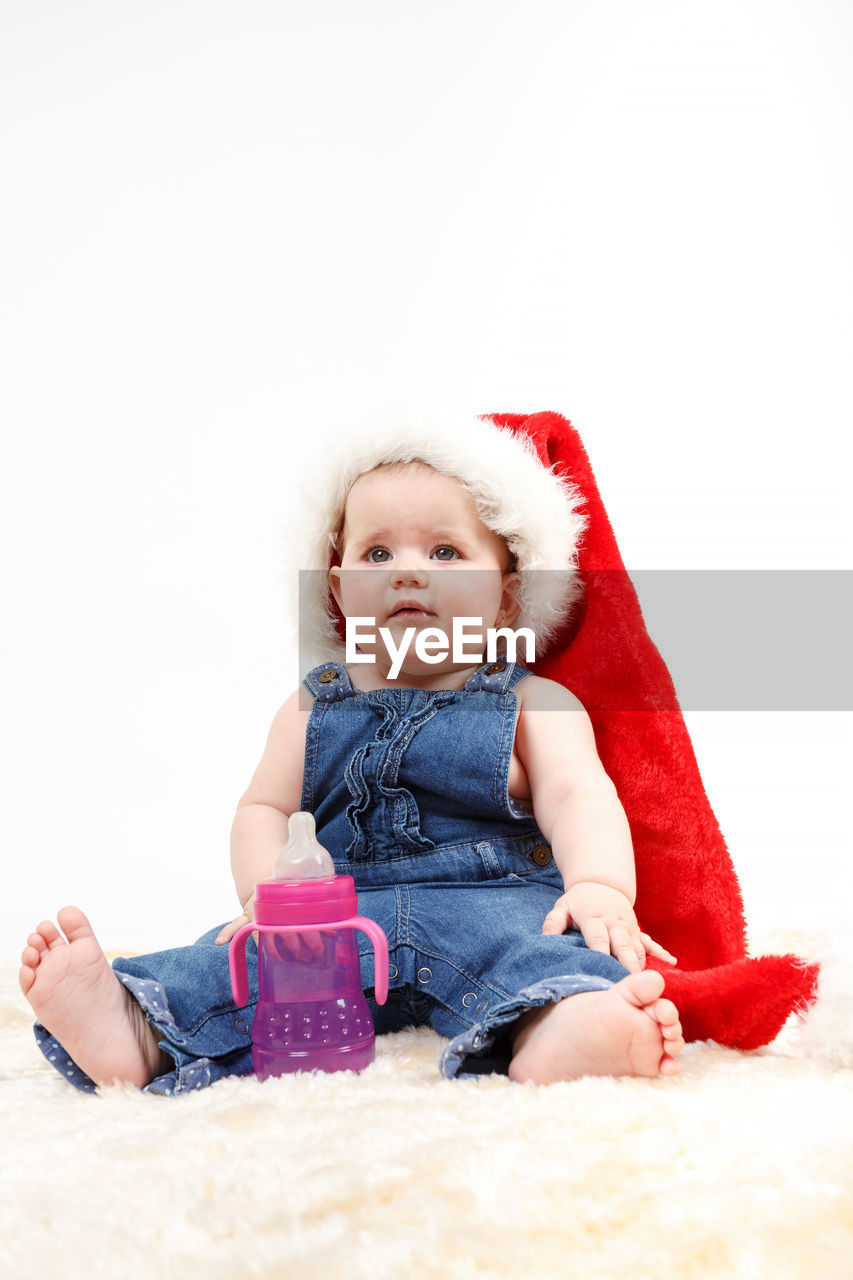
x,y
334,578
510,605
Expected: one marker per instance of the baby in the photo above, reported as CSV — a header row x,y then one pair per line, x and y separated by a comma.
x,y
465,796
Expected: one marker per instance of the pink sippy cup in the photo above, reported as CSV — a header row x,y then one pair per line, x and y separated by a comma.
x,y
311,1011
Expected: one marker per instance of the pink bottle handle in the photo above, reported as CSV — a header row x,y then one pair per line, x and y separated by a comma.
x,y
237,951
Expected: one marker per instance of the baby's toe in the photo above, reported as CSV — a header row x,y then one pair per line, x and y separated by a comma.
x,y
75,924
26,978
672,1044
665,1014
50,933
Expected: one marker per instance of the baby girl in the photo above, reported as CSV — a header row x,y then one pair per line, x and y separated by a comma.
x,y
463,793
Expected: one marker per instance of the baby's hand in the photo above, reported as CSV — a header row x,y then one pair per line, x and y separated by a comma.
x,y
300,946
606,919
245,916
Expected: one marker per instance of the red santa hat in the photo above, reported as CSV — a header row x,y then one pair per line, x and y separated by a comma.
x,y
688,896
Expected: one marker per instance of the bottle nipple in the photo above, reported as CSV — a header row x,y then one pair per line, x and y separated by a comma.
x,y
303,857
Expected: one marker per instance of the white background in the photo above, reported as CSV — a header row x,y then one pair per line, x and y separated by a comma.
x,y
225,225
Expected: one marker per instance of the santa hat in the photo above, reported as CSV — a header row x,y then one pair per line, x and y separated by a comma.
x,y
535,510
688,896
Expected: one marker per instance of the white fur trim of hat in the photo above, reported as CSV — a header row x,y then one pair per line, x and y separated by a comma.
x,y
532,508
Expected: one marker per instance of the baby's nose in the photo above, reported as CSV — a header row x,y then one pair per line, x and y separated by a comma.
x,y
411,576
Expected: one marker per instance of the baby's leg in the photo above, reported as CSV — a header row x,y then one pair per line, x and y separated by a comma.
x,y
81,1002
627,1030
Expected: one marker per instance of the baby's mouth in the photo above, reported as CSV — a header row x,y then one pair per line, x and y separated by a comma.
x,y
410,611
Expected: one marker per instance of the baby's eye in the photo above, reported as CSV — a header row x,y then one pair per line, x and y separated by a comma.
x,y
445,553
378,555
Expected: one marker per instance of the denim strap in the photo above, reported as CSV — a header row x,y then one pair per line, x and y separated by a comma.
x,y
497,677
329,682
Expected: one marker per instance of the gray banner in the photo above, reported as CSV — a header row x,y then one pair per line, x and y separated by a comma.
x,y
753,640
733,640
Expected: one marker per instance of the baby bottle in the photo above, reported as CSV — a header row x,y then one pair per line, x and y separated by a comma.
x,y
311,1012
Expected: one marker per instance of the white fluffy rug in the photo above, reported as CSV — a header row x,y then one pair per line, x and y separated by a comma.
x,y
739,1167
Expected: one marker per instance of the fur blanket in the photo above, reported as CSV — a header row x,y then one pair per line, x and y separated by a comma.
x,y
739,1167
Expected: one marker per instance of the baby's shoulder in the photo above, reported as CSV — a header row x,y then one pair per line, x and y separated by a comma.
x,y
291,718
535,693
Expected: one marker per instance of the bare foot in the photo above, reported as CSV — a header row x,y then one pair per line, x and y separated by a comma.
x,y
627,1030
76,995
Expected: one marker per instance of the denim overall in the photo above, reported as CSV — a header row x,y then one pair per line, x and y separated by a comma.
x,y
409,790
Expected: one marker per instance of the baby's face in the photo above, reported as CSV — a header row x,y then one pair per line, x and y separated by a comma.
x,y
416,554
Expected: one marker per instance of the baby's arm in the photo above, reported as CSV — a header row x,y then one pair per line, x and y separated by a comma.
x,y
578,811
260,826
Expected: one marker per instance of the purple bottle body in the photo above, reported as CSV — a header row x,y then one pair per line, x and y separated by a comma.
x,y
311,1012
